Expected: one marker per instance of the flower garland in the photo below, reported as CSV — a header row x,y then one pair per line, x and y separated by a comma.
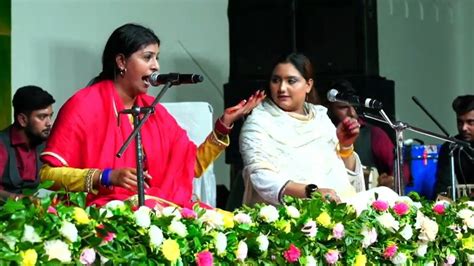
x,y
301,232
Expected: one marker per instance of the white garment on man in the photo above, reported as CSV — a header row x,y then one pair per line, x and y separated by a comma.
x,y
278,146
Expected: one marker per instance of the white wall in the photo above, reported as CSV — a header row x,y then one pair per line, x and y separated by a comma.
x,y
57,44
425,46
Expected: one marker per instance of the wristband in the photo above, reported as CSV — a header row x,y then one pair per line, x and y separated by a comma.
x,y
344,152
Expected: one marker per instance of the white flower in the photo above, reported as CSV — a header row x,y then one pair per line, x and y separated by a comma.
x,y
69,231
399,259
57,249
262,241
142,217
29,235
465,214
310,228
421,250
370,236
310,261
171,211
387,221
213,219
10,240
431,263
470,258
470,204
178,228
241,252
407,232
292,212
221,243
108,212
115,204
428,228
269,214
417,205
242,218
156,236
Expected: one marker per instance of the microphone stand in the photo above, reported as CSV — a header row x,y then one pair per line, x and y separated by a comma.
x,y
399,127
136,111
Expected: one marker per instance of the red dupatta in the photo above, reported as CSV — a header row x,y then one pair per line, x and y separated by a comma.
x,y
86,135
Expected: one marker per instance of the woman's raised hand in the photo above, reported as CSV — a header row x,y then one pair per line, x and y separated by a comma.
x,y
243,108
127,178
347,131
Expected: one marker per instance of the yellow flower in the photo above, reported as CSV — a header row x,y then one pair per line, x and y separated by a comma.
x,y
324,219
81,216
468,243
170,249
360,259
228,218
28,257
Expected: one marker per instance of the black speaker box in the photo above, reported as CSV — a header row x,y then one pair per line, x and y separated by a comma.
x,y
339,36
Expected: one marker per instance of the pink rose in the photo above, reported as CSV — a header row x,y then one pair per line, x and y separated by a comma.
x,y
332,256
108,237
188,213
390,251
401,208
380,205
292,254
52,210
87,256
204,258
450,259
338,231
439,209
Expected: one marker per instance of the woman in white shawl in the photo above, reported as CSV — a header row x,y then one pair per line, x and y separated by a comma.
x,y
290,147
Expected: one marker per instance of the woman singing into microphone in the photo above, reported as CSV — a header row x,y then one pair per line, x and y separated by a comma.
x,y
80,153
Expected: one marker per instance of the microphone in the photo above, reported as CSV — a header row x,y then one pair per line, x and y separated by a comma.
x,y
156,78
334,96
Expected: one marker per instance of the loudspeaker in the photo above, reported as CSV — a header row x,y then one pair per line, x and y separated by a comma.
x,y
339,36
259,32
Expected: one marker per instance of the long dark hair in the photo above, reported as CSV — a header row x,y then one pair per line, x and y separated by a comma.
x,y
303,65
125,40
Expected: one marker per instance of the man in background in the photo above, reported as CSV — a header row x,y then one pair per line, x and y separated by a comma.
x,y
374,146
22,142
463,106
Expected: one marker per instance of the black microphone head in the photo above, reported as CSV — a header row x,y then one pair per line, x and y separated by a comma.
x,y
196,78
331,95
153,78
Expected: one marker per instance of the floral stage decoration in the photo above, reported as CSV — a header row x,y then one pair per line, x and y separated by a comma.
x,y
301,232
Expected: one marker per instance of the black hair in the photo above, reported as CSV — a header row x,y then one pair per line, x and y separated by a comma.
x,y
30,98
126,40
463,104
302,64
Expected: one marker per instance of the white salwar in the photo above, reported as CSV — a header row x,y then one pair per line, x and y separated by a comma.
x,y
278,147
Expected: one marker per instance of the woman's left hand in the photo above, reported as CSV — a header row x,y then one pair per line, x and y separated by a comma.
x,y
347,131
243,108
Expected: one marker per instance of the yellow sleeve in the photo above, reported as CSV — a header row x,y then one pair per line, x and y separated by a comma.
x,y
67,178
208,151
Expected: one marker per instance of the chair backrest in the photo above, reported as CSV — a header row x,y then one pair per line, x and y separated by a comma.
x,y
196,119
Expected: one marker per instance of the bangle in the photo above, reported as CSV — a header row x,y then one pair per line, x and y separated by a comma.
x,y
344,152
89,186
105,177
221,128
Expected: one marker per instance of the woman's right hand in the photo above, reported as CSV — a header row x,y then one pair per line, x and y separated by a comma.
x,y
127,178
329,194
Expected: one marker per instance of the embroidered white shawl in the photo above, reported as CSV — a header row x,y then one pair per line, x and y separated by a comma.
x,y
276,147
